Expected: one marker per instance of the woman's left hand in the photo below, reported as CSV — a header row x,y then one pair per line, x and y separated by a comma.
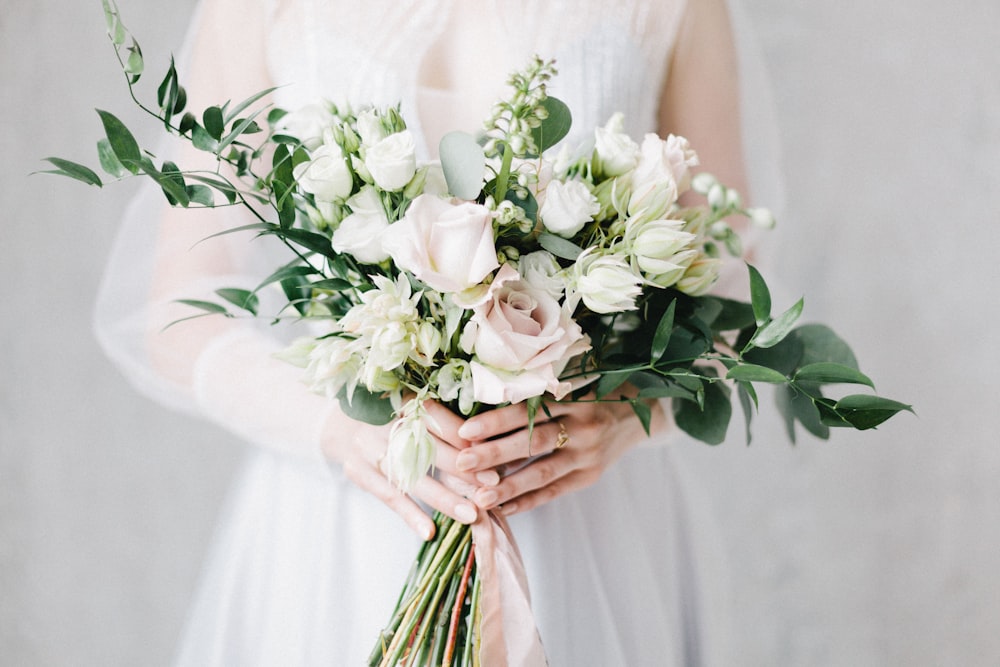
x,y
579,440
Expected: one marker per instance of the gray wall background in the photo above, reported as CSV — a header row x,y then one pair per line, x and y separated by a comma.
x,y
881,549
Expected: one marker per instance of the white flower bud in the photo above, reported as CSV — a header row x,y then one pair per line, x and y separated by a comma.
x,y
411,449
392,161
606,283
568,207
761,217
700,276
428,344
703,182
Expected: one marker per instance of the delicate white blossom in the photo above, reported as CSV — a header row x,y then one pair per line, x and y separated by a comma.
x,y
568,207
326,175
392,161
606,282
360,233
617,153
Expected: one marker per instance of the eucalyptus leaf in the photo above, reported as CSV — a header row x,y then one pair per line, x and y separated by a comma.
x,y
555,126
122,143
188,123
203,140
559,246
74,170
463,163
754,373
364,406
760,296
828,372
711,423
775,331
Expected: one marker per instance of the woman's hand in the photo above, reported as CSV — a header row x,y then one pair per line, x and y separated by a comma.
x,y
359,448
580,441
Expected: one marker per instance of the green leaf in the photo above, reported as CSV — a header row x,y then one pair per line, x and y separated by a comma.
x,y
820,343
333,284
463,163
188,123
748,402
244,126
240,298
207,306
555,127
864,411
74,170
310,240
775,331
202,139
287,271
122,143
754,373
201,194
169,83
733,316
221,185
214,124
760,296
611,380
559,246
644,413
170,180
663,332
365,406
806,411
231,114
827,372
109,161
710,423
134,65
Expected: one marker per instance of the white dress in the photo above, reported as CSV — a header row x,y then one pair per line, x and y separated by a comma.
x,y
305,567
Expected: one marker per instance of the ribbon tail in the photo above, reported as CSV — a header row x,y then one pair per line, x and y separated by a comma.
x,y
508,634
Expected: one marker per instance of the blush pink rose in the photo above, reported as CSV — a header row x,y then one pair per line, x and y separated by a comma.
x,y
448,246
522,339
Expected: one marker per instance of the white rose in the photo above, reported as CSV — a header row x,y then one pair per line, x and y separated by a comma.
x,y
617,153
308,124
568,207
522,339
606,283
360,233
326,175
448,246
392,161
682,157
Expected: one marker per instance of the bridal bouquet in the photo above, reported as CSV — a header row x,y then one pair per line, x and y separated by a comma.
x,y
518,268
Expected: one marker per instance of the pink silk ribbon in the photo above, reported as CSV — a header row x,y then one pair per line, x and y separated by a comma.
x,y
508,635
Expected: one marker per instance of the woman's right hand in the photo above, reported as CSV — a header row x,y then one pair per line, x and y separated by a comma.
x,y
360,448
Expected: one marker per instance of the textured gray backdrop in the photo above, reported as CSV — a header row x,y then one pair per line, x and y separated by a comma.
x,y
868,550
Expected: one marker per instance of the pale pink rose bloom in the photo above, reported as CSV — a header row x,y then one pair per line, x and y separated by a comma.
x,y
448,246
522,339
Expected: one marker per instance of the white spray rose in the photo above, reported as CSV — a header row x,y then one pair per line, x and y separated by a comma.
x,y
681,157
448,246
326,175
617,153
540,270
369,127
360,233
308,124
392,161
568,207
606,283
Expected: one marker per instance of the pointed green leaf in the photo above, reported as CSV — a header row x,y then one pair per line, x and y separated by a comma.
x,y
203,140
559,246
711,423
775,331
240,298
109,161
74,170
286,271
214,125
760,296
644,413
134,65
748,402
207,306
463,163
231,114
663,332
122,143
611,380
201,194
865,411
754,373
332,284
827,372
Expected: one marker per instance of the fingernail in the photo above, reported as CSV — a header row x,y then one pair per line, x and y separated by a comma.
x,y
428,532
470,430
486,498
488,477
509,508
466,513
466,461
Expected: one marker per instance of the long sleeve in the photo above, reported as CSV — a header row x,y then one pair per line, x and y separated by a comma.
x,y
219,368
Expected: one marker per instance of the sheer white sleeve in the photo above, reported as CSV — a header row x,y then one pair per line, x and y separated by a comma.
x,y
220,368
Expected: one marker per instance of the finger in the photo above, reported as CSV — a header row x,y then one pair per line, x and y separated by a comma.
x,y
574,481
445,459
371,479
444,423
499,422
539,474
445,500
521,444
